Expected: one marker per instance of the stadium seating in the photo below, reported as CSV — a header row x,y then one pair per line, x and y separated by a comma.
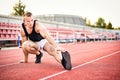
x,y
9,31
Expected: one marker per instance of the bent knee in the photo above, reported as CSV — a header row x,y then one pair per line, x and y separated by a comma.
x,y
29,43
25,44
29,46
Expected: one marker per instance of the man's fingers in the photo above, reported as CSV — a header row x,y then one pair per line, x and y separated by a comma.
x,y
59,49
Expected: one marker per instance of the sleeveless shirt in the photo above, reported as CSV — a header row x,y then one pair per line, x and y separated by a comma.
x,y
33,36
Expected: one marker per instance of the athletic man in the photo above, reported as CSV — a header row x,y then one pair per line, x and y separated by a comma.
x,y
36,37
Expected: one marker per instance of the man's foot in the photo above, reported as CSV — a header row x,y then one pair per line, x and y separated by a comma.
x,y
38,58
66,60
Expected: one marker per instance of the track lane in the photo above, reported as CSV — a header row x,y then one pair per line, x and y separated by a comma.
x,y
54,67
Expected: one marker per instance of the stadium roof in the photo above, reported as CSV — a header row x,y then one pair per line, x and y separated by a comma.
x,y
71,19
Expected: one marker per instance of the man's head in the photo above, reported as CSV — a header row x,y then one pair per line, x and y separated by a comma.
x,y
28,19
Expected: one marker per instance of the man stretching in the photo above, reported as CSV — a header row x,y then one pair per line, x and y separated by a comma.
x,y
36,37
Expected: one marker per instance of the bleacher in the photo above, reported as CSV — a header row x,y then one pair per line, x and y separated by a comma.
x,y
9,30
61,32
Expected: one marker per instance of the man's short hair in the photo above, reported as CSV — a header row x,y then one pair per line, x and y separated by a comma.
x,y
28,14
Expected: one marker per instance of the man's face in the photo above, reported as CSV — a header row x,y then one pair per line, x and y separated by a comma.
x,y
28,21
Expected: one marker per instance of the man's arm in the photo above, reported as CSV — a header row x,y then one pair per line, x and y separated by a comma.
x,y
45,33
24,38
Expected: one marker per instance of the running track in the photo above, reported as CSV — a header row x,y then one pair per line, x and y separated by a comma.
x,y
90,61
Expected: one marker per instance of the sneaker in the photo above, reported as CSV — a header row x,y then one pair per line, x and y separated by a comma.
x,y
38,58
66,60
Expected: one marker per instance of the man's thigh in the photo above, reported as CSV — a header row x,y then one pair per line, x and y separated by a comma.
x,y
29,44
48,47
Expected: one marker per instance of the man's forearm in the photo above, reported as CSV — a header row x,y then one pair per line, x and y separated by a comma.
x,y
52,41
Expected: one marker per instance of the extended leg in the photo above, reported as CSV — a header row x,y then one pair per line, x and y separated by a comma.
x,y
65,60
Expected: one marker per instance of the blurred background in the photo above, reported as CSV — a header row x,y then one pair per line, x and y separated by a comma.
x,y
67,21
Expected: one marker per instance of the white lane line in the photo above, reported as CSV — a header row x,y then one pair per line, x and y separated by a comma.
x,y
53,75
12,63
8,64
10,56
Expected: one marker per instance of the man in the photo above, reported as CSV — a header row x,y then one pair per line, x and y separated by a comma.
x,y
36,37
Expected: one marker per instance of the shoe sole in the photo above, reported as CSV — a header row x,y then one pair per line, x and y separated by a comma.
x,y
66,61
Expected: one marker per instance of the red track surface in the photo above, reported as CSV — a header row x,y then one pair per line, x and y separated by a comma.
x,y
90,61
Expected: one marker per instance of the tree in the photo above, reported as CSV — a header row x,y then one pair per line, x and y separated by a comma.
x,y
100,23
118,28
19,9
109,26
88,22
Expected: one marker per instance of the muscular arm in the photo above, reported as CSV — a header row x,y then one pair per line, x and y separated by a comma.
x,y
44,32
24,38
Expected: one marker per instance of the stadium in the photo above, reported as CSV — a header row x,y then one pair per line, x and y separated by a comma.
x,y
79,50
95,52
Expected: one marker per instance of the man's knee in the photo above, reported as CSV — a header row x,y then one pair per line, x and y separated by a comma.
x,y
29,46
25,44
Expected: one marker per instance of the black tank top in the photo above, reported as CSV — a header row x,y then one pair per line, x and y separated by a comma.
x,y
34,36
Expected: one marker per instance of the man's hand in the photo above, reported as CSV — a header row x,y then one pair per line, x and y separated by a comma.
x,y
57,49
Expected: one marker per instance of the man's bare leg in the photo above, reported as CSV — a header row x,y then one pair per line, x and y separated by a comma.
x,y
60,56
51,50
29,47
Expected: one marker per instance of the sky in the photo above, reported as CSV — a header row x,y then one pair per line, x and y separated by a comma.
x,y
109,10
